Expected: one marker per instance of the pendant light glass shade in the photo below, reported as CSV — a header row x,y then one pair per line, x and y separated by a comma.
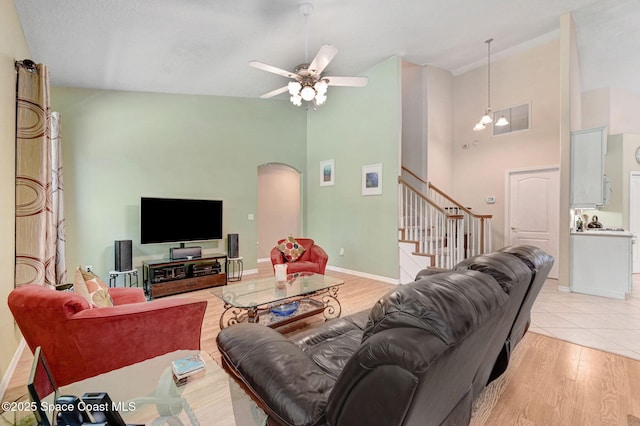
x,y
487,118
501,122
479,126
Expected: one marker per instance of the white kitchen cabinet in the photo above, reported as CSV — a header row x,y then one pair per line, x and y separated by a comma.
x,y
588,150
601,263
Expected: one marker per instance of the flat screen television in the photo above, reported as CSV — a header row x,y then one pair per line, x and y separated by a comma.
x,y
171,220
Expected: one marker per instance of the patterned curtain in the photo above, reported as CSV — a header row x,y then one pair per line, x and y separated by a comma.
x,y
36,224
57,197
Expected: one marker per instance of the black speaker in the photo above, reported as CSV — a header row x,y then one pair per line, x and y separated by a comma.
x,y
177,253
124,260
233,250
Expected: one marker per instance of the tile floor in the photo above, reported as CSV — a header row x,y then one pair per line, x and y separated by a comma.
x,y
601,323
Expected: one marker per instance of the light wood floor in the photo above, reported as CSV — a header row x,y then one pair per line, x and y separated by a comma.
x,y
549,381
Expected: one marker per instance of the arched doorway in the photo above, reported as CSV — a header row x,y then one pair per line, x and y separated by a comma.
x,y
279,205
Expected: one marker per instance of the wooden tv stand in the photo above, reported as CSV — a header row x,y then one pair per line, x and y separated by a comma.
x,y
166,277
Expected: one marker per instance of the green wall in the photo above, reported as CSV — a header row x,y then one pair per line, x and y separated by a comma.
x,y
119,146
357,127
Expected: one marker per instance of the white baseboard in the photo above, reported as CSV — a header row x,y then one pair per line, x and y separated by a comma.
x,y
351,272
12,367
364,275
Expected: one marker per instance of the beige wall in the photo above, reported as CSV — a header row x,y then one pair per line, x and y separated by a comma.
x,y
480,171
414,140
279,202
570,118
440,127
12,46
595,108
612,107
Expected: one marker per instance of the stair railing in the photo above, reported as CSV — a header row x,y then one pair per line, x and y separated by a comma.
x,y
477,227
439,233
442,228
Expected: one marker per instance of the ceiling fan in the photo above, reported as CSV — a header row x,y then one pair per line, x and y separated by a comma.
x,y
307,82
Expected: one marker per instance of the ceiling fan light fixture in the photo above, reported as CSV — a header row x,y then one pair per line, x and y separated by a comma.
x,y
306,81
308,93
296,100
320,99
321,87
294,88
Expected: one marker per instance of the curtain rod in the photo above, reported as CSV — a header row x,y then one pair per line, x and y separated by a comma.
x,y
27,63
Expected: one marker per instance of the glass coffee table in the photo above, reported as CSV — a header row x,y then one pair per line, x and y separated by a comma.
x,y
145,393
274,304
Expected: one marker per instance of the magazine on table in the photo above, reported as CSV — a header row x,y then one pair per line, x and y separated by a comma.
x,y
187,366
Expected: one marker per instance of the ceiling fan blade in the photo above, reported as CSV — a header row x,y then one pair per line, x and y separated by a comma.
x,y
272,69
273,93
347,81
322,59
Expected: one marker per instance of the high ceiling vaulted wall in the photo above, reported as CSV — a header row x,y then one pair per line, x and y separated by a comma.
x,y
203,46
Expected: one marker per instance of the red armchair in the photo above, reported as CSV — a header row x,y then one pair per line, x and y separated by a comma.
x,y
314,258
80,342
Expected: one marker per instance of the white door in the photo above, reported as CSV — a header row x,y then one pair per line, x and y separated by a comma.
x,y
533,208
634,218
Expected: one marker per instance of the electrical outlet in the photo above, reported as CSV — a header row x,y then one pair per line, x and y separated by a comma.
x,y
341,252
88,268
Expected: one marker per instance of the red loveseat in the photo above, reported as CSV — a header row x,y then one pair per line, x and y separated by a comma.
x,y
314,258
80,342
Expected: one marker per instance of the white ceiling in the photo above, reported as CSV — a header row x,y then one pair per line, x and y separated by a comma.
x,y
203,46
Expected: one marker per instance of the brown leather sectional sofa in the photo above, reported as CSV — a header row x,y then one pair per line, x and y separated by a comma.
x,y
420,356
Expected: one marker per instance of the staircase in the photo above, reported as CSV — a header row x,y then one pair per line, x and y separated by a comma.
x,y
435,230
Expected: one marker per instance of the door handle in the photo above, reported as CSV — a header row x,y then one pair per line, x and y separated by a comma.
x,y
514,228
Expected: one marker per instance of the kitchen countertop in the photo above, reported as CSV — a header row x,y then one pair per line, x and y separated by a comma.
x,y
603,233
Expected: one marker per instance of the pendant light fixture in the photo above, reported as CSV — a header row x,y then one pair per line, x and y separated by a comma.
x,y
487,118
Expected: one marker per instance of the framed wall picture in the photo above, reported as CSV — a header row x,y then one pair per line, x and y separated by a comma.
x,y
327,173
372,179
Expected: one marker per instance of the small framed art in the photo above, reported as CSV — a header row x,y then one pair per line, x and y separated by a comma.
x,y
327,173
372,179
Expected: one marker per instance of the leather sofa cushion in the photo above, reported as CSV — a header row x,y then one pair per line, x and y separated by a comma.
x,y
332,354
331,344
330,329
448,305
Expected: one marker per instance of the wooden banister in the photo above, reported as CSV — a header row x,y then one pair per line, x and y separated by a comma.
x,y
414,175
440,226
457,204
425,198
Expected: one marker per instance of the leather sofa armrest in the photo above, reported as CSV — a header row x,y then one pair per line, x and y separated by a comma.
x,y
125,296
285,382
